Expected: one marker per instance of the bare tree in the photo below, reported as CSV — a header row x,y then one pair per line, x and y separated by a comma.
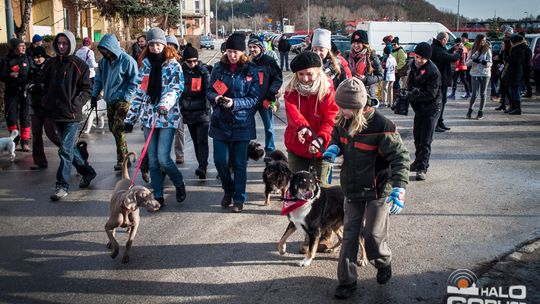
x,y
26,12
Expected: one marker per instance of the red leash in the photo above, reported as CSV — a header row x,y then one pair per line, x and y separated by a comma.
x,y
143,153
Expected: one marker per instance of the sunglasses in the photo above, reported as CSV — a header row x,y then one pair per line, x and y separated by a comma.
x,y
192,61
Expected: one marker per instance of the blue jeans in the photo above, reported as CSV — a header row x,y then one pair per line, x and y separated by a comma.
x,y
236,153
268,122
479,84
494,88
159,157
68,154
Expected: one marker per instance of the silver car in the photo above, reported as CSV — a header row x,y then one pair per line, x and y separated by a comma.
x,y
207,43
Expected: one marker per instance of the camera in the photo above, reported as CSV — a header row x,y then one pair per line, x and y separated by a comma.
x,y
221,101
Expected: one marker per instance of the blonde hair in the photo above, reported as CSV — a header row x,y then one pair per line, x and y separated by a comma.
x,y
322,90
358,121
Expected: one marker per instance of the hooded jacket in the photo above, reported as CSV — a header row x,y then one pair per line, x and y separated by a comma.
x,y
270,76
424,86
194,106
479,69
518,59
67,84
117,78
442,59
401,57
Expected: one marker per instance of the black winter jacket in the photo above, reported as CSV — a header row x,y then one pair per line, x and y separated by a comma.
x,y
270,77
194,106
442,59
515,69
36,81
424,86
7,65
284,46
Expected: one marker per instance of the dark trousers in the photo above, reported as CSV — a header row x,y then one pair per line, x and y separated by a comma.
x,y
462,75
199,135
503,91
537,80
40,122
494,81
514,97
527,81
424,126
444,91
235,152
284,60
17,111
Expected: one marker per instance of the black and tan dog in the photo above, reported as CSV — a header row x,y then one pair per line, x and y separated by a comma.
x,y
124,206
276,175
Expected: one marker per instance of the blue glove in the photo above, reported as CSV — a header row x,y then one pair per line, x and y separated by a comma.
x,y
331,153
397,198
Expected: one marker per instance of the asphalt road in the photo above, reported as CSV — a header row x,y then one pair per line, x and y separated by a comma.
x,y
479,201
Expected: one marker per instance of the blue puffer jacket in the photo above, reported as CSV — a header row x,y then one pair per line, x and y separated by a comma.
x,y
118,78
238,122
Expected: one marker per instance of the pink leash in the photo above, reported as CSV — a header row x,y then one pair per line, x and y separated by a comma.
x,y
143,153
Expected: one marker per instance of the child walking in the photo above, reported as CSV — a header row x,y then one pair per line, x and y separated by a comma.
x,y
374,175
389,77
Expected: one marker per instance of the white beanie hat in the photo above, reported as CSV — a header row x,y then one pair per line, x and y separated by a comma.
x,y
322,38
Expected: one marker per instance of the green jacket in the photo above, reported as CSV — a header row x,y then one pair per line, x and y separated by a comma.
x,y
374,160
401,58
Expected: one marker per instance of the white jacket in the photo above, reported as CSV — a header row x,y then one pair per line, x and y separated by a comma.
x,y
479,69
390,69
87,55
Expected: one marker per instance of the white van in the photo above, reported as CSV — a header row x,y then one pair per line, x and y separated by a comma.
x,y
409,33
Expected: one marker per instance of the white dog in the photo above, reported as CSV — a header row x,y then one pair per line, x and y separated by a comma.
x,y
102,113
8,145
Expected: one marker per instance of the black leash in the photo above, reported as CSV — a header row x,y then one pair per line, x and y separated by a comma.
x,y
86,121
280,119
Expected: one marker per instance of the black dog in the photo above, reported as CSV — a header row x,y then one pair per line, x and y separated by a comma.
x,y
255,150
276,175
82,147
313,209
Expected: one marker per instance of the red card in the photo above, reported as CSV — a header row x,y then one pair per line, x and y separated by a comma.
x,y
195,84
266,104
220,87
261,78
360,67
144,83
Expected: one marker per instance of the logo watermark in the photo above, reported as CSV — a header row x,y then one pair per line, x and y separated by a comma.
x,y
463,289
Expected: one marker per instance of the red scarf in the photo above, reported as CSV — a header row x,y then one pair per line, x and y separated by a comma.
x,y
290,204
358,62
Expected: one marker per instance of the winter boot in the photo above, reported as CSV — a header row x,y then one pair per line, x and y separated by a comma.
x,y
469,113
480,115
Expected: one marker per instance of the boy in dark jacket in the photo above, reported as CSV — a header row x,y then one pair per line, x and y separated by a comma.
x,y
14,70
194,106
424,95
270,80
67,88
284,47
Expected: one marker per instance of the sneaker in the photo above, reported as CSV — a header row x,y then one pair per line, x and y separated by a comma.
x,y
466,96
59,193
421,175
25,147
508,110
181,193
86,179
226,201
480,115
515,111
180,160
469,114
237,208
439,129
345,291
201,173
443,126
384,274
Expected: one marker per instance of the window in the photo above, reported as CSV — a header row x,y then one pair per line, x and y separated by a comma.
x,y
197,6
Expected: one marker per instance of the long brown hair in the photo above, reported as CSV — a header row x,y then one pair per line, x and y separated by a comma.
x,y
225,59
170,53
335,62
477,47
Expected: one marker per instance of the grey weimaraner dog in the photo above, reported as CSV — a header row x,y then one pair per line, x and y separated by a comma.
x,y
124,205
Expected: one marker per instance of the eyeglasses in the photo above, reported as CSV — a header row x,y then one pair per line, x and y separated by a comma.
x,y
192,61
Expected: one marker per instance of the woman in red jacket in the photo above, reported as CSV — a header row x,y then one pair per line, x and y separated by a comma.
x,y
311,110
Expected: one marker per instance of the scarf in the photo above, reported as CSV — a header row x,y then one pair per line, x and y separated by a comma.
x,y
306,89
358,62
329,69
154,81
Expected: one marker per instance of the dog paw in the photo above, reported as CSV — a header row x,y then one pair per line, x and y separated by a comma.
x,y
109,245
125,259
362,263
282,249
305,262
114,253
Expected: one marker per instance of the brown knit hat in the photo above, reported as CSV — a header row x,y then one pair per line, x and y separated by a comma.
x,y
351,94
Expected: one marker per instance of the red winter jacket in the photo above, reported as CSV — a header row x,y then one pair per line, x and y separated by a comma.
x,y
307,112
460,63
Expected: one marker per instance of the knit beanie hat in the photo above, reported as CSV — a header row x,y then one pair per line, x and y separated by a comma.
x,y
516,38
507,30
156,35
37,38
321,38
40,52
236,41
86,41
360,36
351,94
172,40
423,49
190,52
257,42
14,42
305,60
465,35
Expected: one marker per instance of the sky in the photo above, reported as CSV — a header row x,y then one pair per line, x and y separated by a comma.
x,y
483,9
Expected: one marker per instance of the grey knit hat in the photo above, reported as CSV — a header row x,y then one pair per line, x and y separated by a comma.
x,y
156,35
321,38
173,40
351,94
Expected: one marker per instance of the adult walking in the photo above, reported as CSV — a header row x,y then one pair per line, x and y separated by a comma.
x,y
88,56
270,80
460,70
156,103
66,89
284,47
442,59
14,71
194,106
234,93
424,95
117,76
363,62
480,62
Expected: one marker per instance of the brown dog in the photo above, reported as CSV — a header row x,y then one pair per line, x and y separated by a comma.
x,y
124,206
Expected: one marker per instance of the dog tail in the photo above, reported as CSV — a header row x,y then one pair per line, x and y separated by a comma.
x,y
125,171
14,134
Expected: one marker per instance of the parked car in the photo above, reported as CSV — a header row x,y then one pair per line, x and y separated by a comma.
x,y
207,43
297,39
343,43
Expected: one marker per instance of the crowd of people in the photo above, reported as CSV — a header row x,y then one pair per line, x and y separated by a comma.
x,y
328,104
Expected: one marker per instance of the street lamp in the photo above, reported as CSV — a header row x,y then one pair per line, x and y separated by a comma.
x,y
181,2
308,26
217,35
457,29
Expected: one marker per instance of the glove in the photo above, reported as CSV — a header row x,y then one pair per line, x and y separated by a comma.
x,y
162,111
484,62
128,128
331,153
93,102
476,60
397,199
